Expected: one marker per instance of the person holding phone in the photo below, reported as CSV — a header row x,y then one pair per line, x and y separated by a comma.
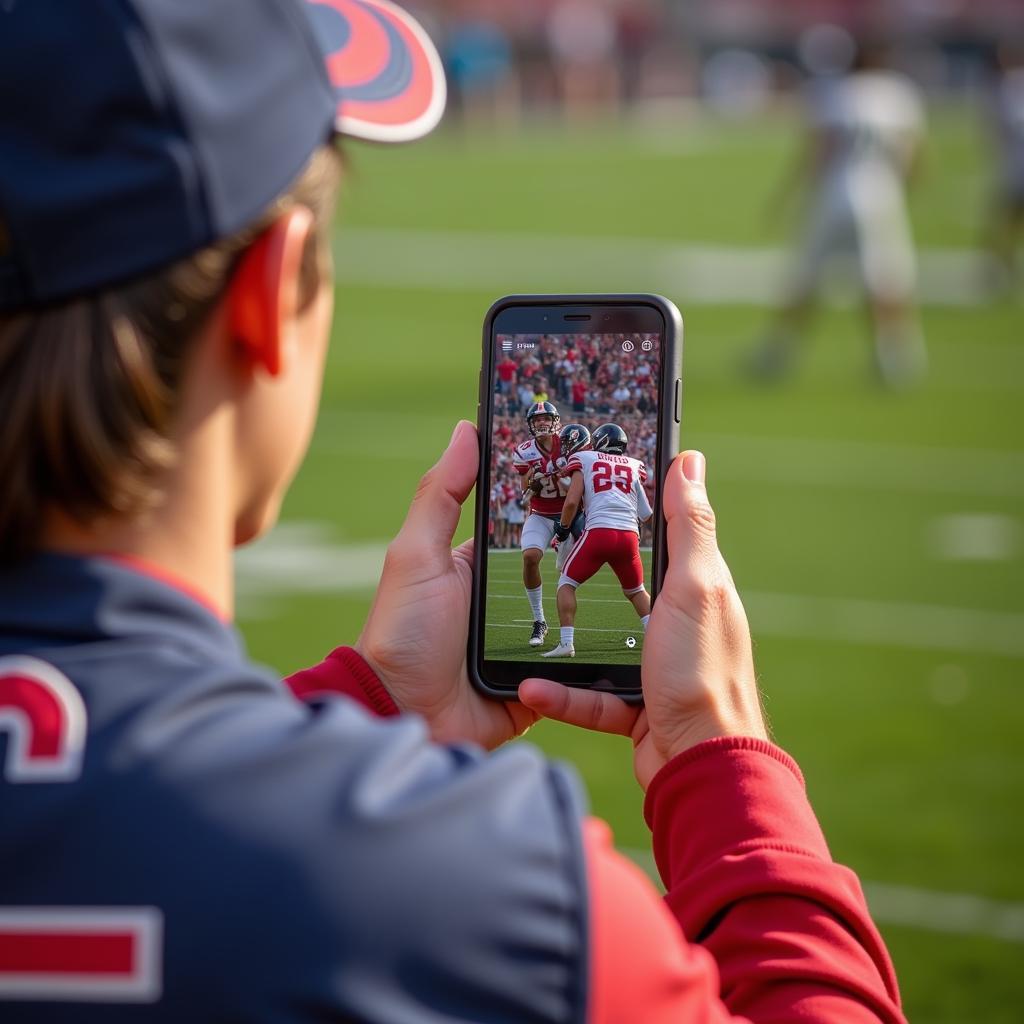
x,y
187,837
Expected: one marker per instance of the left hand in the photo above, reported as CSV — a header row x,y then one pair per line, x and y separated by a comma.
x,y
416,634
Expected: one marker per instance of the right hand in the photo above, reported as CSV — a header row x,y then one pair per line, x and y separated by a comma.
x,y
698,668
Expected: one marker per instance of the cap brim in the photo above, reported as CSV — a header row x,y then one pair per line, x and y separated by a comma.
x,y
386,73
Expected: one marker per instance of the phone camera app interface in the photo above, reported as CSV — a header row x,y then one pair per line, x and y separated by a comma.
x,y
572,474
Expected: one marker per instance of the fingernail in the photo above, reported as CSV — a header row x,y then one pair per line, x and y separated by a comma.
x,y
458,427
694,467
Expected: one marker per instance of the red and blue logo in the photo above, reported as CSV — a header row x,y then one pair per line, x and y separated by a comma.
x,y
386,73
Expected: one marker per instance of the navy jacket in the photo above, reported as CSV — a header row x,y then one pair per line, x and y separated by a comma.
x,y
178,831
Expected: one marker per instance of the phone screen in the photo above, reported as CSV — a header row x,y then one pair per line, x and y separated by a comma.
x,y
574,435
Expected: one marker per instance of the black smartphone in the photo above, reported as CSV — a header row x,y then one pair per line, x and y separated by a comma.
x,y
580,403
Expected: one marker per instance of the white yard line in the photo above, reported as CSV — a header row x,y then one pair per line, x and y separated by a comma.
x,y
885,466
865,623
812,462
304,558
693,273
518,624
949,912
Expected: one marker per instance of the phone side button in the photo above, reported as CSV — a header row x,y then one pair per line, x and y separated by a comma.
x,y
679,400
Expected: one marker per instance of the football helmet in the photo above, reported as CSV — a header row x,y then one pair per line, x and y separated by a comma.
x,y
573,438
543,409
610,438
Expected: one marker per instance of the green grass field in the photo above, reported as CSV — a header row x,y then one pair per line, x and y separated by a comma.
x,y
877,539
604,618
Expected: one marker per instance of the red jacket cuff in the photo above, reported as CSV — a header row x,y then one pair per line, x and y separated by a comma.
x,y
733,829
344,671
724,799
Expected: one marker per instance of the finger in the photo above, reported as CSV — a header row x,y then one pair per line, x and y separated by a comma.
x,y
601,712
690,520
434,512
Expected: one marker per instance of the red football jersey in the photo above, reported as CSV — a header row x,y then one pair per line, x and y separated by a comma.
x,y
530,456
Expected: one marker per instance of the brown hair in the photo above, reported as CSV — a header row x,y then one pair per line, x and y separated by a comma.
x,y
89,387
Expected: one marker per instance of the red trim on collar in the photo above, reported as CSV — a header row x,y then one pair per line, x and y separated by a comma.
x,y
163,575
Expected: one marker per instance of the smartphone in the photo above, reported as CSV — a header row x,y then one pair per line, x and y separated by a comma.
x,y
580,404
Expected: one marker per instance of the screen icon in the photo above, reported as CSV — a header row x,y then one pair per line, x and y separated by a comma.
x,y
647,345
628,346
631,642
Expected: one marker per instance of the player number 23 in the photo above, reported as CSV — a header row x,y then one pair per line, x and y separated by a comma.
x,y
607,476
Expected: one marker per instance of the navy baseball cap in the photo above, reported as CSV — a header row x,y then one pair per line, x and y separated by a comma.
x,y
135,132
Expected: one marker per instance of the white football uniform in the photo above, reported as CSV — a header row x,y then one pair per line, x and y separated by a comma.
x,y
874,121
1009,121
613,490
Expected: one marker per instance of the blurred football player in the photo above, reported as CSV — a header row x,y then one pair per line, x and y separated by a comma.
x,y
866,127
1006,220
610,486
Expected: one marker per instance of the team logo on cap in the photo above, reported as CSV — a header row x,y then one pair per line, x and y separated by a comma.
x,y
385,71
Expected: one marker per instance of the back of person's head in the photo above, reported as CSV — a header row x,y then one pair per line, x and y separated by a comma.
x,y
90,384
133,185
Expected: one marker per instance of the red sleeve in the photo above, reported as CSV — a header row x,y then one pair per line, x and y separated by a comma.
x,y
641,968
344,671
573,466
781,933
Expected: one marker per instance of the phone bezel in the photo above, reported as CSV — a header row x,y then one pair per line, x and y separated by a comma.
x,y
613,314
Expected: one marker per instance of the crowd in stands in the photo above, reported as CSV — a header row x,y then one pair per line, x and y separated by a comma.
x,y
591,379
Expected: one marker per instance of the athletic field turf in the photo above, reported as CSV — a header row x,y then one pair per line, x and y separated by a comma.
x,y
605,620
877,539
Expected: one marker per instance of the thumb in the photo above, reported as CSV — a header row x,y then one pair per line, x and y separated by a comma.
x,y
690,520
434,513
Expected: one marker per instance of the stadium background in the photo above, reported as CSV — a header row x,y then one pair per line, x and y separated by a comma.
x,y
877,538
590,380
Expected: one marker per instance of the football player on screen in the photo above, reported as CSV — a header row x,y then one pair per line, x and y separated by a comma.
x,y
610,486
535,461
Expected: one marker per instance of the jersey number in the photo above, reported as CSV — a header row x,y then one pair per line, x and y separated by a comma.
x,y
607,476
550,488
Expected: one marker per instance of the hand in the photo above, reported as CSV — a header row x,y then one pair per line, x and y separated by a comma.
x,y
698,670
561,532
416,633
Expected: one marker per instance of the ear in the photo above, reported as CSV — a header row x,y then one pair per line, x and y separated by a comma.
x,y
263,295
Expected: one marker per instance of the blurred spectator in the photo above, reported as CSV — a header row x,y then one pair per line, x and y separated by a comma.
x,y
582,35
529,367
507,375
482,79
515,511
622,397
579,395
